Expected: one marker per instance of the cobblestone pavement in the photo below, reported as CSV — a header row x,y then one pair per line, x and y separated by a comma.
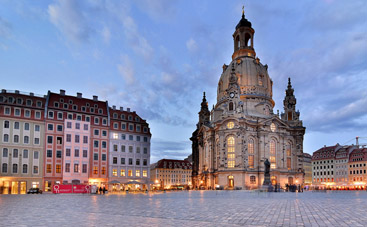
x,y
193,208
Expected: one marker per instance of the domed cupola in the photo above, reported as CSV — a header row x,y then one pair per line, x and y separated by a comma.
x,y
243,39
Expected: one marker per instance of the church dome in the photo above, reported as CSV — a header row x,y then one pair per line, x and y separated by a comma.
x,y
243,22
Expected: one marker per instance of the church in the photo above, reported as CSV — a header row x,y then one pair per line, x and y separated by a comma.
x,y
234,139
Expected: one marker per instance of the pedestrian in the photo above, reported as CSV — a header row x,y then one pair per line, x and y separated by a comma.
x,y
104,189
100,190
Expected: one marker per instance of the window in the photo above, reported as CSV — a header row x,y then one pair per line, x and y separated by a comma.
x,y
231,152
131,149
76,152
130,161
78,118
85,127
48,168
16,139
137,161
50,127
85,153
131,127
15,153
85,139
25,168
59,115
49,139
95,156
25,153
145,173
138,128
37,128
16,125
96,120
5,168
104,144
50,114
67,167
145,139
122,148
77,125
145,162
123,136
59,140
252,180
76,168
35,155
138,150
122,173
70,116
123,126
230,106
59,128
76,138
115,147
130,173
96,143
138,138
145,150
115,126
131,137
6,138
114,160
122,161
27,113
35,169
17,112
137,173
49,153
95,169
6,124
15,168
67,152
104,133
87,119
115,136
5,152
272,154
114,172
38,116
26,126
68,137
84,168
58,168
289,163
104,156
96,132
145,129
230,125
68,124
251,161
103,170
130,118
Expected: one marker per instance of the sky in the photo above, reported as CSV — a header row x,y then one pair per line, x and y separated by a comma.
x,y
157,57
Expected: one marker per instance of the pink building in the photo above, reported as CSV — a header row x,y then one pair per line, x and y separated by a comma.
x,y
76,152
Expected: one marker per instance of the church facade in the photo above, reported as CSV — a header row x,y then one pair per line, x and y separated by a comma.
x,y
234,139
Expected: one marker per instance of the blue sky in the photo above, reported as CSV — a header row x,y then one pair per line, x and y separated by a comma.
x,y
157,57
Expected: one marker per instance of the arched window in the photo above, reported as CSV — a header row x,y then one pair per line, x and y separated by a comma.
x,y
247,39
250,148
230,106
252,180
238,44
6,138
16,139
231,152
25,168
15,168
6,124
26,139
272,154
5,168
289,156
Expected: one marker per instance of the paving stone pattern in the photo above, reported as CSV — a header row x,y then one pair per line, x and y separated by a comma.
x,y
192,208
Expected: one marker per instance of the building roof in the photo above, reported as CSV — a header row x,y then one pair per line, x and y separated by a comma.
x,y
173,164
358,155
325,152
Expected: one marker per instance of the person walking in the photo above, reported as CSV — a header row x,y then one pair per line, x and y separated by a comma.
x,y
100,190
104,189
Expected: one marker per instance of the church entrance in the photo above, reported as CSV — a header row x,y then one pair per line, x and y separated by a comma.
x,y
230,182
274,180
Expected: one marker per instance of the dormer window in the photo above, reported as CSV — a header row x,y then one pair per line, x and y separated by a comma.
x,y
66,106
56,104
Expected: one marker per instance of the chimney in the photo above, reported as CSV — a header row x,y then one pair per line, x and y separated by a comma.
x,y
134,112
121,108
95,98
114,107
16,91
79,95
3,90
31,94
62,92
128,109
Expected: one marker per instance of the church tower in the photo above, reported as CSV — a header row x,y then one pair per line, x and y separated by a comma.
x,y
204,114
290,114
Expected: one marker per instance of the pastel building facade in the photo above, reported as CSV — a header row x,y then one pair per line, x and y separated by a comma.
x,y
21,142
129,154
357,168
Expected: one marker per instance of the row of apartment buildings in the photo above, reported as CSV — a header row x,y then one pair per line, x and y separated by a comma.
x,y
63,139
340,167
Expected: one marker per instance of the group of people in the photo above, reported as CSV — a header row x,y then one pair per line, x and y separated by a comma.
x,y
101,190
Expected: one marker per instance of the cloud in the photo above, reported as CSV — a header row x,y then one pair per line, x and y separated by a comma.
x,y
169,149
159,10
5,28
126,69
191,45
106,34
69,18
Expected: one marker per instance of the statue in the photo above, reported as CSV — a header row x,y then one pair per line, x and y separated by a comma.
x,y
267,182
267,167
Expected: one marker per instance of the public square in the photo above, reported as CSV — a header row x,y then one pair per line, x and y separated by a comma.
x,y
187,208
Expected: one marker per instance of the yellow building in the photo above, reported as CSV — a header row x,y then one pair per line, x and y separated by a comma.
x,y
357,168
171,174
